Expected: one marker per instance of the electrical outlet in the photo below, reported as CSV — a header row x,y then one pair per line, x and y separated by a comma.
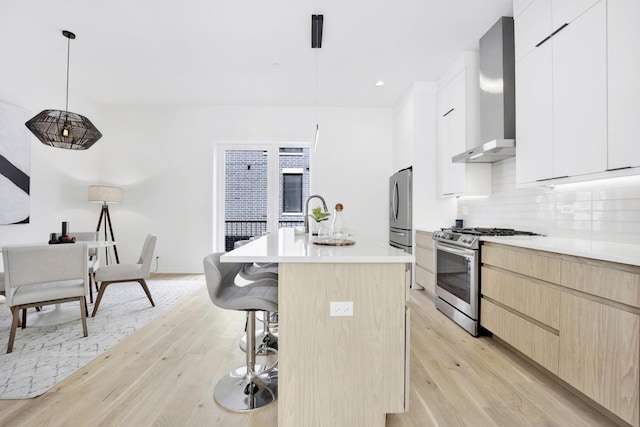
x,y
341,308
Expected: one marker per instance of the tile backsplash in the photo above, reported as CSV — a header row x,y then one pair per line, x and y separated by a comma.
x,y
604,210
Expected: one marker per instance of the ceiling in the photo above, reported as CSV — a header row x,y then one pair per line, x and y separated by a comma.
x,y
250,52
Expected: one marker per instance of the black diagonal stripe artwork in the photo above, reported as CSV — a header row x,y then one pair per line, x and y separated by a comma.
x,y
15,165
13,174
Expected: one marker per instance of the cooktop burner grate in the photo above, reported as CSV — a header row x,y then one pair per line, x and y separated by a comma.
x,y
480,231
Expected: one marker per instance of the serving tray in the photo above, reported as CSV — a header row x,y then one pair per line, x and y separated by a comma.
x,y
333,242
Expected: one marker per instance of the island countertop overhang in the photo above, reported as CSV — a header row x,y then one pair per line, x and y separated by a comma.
x,y
286,246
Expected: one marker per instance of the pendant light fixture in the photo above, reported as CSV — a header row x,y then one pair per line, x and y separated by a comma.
x,y
316,43
64,129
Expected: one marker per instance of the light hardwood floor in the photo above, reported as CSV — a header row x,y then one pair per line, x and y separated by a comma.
x,y
164,375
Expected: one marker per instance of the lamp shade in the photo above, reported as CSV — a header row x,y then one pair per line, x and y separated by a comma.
x,y
64,129
105,194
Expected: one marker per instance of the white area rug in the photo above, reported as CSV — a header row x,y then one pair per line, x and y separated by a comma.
x,y
44,356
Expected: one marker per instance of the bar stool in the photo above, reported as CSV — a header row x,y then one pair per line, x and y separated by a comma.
x,y
252,272
252,386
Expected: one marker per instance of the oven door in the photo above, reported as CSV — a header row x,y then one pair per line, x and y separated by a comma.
x,y
457,278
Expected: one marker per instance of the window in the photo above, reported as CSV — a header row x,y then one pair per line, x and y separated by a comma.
x,y
292,191
250,197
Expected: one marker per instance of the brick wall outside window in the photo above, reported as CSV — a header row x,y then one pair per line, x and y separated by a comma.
x,y
246,192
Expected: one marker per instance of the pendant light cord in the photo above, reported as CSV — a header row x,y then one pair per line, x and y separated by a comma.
x,y
316,97
66,105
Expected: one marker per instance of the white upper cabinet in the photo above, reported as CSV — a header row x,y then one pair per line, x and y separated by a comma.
x,y
561,90
458,129
624,83
531,27
580,94
534,116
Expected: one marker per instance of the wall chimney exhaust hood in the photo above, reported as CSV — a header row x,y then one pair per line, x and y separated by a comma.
x,y
497,97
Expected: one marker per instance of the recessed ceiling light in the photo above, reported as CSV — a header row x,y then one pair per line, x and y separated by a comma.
x,y
379,83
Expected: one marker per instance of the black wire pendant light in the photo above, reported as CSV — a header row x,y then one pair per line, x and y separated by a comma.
x,y
64,129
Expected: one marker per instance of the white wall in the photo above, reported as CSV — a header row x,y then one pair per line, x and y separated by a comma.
x,y
415,145
163,159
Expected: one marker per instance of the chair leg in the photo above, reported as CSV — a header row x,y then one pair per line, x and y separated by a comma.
x,y
83,312
14,325
24,318
103,286
146,291
91,288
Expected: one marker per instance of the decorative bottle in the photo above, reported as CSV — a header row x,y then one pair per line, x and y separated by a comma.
x,y
338,228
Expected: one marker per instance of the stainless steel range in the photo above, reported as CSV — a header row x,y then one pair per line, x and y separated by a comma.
x,y
458,272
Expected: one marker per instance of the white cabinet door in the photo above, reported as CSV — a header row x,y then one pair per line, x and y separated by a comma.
x,y
534,116
624,83
452,136
580,95
531,27
458,130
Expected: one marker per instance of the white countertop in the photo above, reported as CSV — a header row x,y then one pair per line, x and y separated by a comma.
x,y
286,246
606,251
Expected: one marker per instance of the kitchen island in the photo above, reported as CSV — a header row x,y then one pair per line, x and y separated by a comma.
x,y
337,370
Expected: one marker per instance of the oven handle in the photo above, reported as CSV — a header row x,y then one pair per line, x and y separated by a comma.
x,y
468,253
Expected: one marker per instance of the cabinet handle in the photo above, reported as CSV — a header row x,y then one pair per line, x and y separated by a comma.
x,y
617,169
448,112
543,41
549,179
562,27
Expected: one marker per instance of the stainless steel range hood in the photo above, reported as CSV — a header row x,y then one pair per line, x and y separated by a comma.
x,y
497,97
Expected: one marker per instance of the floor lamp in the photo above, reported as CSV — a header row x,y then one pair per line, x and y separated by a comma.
x,y
105,195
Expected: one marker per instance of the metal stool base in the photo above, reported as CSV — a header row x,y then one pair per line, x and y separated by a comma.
x,y
262,338
229,391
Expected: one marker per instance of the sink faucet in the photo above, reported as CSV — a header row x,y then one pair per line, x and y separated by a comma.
x,y
306,209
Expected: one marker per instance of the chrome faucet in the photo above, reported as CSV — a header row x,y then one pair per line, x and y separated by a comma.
x,y
306,209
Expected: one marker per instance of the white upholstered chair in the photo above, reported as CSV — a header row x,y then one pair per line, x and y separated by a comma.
x,y
119,273
37,275
94,262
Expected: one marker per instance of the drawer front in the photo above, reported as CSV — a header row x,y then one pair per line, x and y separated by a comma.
x,y
424,239
603,281
600,354
426,279
532,299
425,258
533,341
528,263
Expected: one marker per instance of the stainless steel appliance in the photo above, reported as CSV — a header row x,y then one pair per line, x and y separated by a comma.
x,y
497,97
458,272
400,209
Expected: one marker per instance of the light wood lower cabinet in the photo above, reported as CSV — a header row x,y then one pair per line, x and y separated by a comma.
x,y
600,354
539,344
425,261
535,300
578,318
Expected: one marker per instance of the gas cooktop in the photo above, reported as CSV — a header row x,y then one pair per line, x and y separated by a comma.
x,y
479,231
470,237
